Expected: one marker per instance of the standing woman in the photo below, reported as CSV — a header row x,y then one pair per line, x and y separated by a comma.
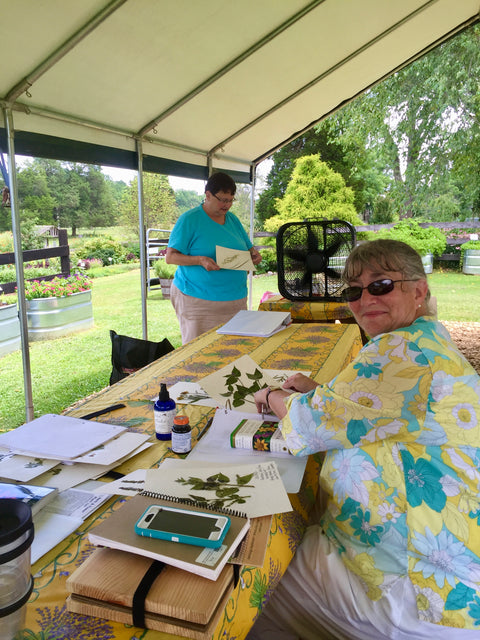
x,y
204,295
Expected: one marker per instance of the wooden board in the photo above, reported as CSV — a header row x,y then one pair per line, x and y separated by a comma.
x,y
177,602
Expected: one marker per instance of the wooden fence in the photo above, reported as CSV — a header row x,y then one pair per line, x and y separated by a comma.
x,y
62,252
446,256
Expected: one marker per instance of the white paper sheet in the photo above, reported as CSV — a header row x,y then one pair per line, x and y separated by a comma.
x,y
228,386
50,529
113,450
254,488
193,393
23,468
234,259
76,503
64,476
129,485
256,323
215,445
58,437
190,393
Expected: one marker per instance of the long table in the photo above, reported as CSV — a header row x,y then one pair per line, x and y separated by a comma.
x,y
309,311
323,349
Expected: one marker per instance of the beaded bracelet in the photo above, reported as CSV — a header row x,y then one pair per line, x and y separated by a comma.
x,y
269,391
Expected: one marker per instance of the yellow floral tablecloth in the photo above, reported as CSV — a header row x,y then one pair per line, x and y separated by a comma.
x,y
322,349
321,311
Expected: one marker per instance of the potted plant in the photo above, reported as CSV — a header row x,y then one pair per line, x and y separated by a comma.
x,y
470,257
165,273
59,306
428,241
9,325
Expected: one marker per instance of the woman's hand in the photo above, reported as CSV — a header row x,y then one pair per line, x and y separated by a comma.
x,y
261,400
271,401
256,256
208,264
299,382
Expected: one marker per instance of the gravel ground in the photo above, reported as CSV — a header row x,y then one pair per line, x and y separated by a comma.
x,y
467,337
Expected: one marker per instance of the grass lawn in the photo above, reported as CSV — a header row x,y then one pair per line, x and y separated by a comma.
x,y
68,369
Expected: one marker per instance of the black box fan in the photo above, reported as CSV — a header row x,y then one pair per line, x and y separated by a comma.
x,y
311,257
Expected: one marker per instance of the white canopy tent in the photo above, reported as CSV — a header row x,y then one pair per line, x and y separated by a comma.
x,y
183,86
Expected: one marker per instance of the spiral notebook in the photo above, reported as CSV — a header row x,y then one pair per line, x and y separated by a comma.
x,y
117,532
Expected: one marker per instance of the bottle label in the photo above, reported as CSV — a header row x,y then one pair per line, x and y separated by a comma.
x,y
181,442
164,421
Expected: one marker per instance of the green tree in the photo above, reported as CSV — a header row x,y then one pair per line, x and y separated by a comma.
x,y
314,192
186,200
343,155
34,194
241,207
100,202
67,194
159,201
418,123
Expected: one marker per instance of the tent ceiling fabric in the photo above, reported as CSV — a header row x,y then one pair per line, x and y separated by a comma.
x,y
230,80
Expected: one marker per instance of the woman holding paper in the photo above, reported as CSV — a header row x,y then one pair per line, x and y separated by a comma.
x,y
396,553
203,294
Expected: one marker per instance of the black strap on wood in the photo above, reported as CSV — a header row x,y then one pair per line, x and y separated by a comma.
x,y
141,592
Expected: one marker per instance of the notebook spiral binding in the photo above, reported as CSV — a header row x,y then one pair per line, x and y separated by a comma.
x,y
193,503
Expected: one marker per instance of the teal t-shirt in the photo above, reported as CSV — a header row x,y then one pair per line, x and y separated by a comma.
x,y
196,234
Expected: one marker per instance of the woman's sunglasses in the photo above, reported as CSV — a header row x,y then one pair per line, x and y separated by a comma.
x,y
376,288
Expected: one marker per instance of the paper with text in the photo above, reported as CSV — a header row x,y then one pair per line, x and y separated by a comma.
x,y
254,489
234,259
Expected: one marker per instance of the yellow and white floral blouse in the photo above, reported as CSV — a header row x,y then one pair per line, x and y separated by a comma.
x,y
401,428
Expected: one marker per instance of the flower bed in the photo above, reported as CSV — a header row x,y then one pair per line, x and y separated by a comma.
x,y
57,288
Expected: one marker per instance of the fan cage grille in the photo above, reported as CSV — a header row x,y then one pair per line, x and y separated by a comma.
x,y
306,269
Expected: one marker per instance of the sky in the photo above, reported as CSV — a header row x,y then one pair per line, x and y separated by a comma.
x,y
178,183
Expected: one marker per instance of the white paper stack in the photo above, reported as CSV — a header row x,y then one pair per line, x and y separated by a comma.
x,y
256,323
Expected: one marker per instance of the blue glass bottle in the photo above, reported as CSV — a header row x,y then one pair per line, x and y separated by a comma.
x,y
164,411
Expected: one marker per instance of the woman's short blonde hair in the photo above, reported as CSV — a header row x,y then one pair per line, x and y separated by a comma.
x,y
388,255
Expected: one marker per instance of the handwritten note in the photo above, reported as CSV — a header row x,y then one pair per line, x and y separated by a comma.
x,y
234,259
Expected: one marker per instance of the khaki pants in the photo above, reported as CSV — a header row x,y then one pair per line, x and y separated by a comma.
x,y
196,316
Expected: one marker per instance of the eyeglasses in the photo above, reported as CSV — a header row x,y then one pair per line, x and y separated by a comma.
x,y
376,288
224,200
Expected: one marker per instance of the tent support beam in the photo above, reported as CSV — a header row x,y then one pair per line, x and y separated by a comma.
x,y
231,65
338,66
142,238
62,50
17,247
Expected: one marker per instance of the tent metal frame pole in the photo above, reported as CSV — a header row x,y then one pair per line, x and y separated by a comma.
x,y
143,239
26,83
17,247
252,218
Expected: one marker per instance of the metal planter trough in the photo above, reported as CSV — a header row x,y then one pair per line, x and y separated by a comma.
x,y
471,262
427,261
54,317
9,329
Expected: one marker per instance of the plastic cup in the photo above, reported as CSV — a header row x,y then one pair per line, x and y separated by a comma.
x,y
16,582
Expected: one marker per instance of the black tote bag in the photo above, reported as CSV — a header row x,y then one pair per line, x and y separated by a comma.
x,y
130,354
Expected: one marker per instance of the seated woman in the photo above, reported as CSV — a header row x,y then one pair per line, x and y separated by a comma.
x,y
396,553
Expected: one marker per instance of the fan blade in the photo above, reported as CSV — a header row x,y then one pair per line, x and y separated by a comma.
x,y
334,247
306,280
299,255
312,240
331,273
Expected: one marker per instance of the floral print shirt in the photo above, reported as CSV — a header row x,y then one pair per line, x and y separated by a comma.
x,y
401,428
